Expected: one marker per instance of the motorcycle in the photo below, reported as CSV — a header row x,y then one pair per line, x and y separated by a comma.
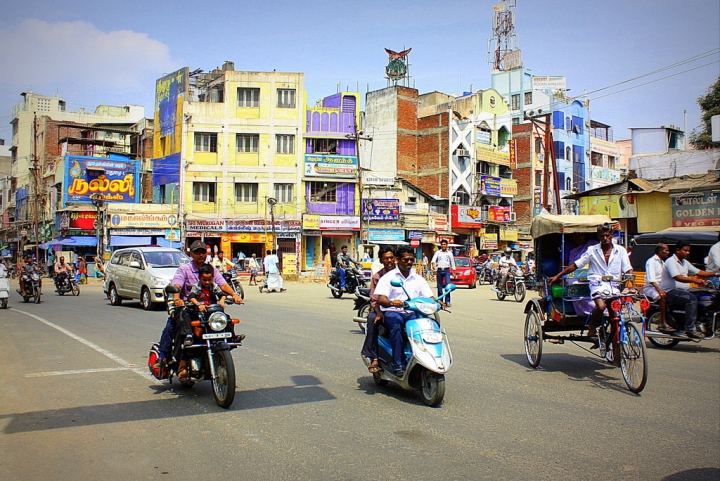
x,y
208,356
514,286
486,274
707,320
32,287
232,278
362,306
66,284
4,289
353,278
427,350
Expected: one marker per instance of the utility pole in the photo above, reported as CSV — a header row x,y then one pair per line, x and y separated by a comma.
x,y
34,168
549,156
357,136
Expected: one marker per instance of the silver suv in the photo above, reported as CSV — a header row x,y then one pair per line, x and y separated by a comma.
x,y
141,273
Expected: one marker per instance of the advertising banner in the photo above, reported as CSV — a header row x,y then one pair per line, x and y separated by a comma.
x,y
317,165
169,95
465,216
381,209
549,83
499,213
508,187
206,225
615,206
486,154
110,180
260,225
143,221
490,185
439,223
77,221
702,209
330,222
387,235
508,233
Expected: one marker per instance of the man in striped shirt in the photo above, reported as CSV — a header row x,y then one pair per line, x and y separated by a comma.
x,y
441,262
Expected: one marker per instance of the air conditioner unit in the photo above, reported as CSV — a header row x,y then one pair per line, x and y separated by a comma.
x,y
513,217
462,153
455,199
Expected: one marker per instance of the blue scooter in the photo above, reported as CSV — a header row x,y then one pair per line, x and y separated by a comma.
x,y
427,350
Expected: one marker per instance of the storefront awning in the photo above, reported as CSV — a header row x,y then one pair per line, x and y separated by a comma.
x,y
389,242
73,240
138,241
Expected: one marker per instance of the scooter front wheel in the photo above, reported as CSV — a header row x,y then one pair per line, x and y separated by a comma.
x,y
432,387
379,380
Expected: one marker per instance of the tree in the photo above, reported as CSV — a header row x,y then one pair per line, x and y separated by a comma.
x,y
701,137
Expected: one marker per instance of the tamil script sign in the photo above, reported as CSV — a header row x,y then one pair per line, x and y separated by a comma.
x,y
317,165
490,185
386,235
331,222
143,221
381,209
262,226
699,210
110,180
486,154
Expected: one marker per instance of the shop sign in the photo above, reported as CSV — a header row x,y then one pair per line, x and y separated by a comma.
x,y
312,233
311,222
77,220
262,226
466,216
483,137
439,223
702,209
331,165
489,244
548,83
449,239
386,235
206,225
486,154
508,187
537,201
490,185
602,177
143,221
246,238
513,154
111,180
144,232
499,213
508,234
379,178
415,234
381,209
339,222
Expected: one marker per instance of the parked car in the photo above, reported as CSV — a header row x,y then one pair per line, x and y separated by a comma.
x,y
141,273
464,273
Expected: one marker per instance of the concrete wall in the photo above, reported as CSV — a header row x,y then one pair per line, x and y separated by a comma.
x,y
381,123
676,164
654,212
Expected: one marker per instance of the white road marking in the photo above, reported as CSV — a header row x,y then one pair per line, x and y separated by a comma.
x,y
76,371
126,365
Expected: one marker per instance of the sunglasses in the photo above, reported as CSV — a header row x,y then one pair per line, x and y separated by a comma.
x,y
199,251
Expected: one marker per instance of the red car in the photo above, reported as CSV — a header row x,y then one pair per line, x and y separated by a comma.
x,y
464,273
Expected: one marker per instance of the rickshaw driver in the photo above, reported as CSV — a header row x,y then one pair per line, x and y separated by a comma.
x,y
605,259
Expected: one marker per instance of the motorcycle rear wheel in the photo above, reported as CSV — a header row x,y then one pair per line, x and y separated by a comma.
x,y
661,342
432,387
4,303
224,384
337,294
363,312
500,296
379,380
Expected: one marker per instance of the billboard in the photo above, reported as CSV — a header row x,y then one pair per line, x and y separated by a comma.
x,y
490,185
549,83
381,209
466,216
110,180
499,213
317,165
170,92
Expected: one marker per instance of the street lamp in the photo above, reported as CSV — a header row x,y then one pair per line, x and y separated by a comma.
x,y
99,204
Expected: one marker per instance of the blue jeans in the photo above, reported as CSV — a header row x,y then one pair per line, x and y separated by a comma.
x,y
443,279
166,338
341,273
395,321
687,299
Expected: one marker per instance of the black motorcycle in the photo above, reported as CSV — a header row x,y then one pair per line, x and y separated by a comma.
x,y
362,306
707,321
486,274
32,286
205,353
353,278
232,278
65,284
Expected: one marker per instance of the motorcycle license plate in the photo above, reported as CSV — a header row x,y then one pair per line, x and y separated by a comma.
x,y
217,335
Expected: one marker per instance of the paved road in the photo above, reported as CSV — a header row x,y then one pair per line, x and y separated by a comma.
x,y
76,401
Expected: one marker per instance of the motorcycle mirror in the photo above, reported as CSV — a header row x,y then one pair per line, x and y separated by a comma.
x,y
171,289
396,282
450,287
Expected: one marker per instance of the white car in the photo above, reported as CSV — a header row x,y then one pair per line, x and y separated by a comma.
x,y
141,273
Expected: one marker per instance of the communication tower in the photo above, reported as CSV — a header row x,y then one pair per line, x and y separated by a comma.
x,y
503,49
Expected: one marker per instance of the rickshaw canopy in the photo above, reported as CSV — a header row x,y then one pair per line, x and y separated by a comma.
x,y
545,224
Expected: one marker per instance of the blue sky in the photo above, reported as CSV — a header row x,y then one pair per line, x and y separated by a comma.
x,y
111,52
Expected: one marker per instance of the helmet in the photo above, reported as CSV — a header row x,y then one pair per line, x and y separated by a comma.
x,y
508,251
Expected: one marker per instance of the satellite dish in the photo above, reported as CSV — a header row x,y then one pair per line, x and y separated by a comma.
x,y
272,200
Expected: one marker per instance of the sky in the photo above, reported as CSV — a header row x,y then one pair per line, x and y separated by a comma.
x,y
111,53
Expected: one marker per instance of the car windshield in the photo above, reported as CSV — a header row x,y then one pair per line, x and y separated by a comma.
x,y
165,259
462,262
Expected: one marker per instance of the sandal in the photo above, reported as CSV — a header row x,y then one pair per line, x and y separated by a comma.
x,y
374,367
183,374
667,328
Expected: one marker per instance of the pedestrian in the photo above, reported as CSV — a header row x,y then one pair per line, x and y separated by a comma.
x,y
442,261
253,266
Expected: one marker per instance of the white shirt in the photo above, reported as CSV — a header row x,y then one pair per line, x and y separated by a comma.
x,y
675,267
654,268
414,284
506,262
443,259
713,262
617,265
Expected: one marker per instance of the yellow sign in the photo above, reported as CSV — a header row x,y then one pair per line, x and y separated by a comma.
x,y
508,234
488,155
311,222
508,187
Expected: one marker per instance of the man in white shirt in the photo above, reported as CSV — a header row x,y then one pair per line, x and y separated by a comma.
x,y
443,260
391,301
654,268
676,282
222,263
713,259
605,259
506,262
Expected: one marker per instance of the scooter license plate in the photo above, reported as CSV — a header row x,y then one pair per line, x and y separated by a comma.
x,y
217,335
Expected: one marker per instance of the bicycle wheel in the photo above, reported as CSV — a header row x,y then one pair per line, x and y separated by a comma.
x,y
533,338
633,360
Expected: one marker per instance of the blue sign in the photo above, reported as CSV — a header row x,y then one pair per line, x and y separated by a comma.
x,y
381,209
386,235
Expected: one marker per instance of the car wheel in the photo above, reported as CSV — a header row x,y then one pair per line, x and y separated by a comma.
x,y
145,300
114,297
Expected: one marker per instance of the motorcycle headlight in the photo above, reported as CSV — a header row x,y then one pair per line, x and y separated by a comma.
x,y
217,321
35,276
427,308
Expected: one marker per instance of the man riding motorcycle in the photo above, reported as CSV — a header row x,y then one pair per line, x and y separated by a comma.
x,y
505,263
343,262
26,268
62,271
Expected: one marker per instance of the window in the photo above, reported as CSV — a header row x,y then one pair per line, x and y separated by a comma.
x,y
515,102
247,142
284,193
577,125
203,192
528,98
568,124
205,142
285,144
323,192
516,121
325,146
568,154
248,97
286,98
539,146
568,183
538,178
246,192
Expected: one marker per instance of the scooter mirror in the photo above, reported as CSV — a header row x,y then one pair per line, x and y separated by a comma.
x,y
450,287
396,282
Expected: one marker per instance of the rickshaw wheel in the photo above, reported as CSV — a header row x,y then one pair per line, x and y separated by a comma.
x,y
533,338
633,360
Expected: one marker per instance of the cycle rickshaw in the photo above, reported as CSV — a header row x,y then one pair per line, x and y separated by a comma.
x,y
561,313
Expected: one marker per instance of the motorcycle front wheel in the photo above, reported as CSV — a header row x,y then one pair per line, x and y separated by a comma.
x,y
224,382
433,387
75,290
662,342
519,292
37,297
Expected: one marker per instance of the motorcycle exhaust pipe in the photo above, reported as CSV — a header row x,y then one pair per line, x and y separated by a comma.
x,y
334,288
359,319
663,335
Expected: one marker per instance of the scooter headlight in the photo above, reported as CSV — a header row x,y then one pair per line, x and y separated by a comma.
x,y
427,308
217,321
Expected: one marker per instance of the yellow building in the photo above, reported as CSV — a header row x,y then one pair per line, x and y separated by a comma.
x,y
232,141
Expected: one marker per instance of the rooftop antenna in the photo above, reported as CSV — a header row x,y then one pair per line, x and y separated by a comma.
x,y
503,47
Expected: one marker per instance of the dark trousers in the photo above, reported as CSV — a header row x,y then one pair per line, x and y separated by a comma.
x,y
443,279
687,299
370,346
168,332
341,273
396,323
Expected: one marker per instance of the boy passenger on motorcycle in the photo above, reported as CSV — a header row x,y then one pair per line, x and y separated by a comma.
x,y
185,278
375,316
391,300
